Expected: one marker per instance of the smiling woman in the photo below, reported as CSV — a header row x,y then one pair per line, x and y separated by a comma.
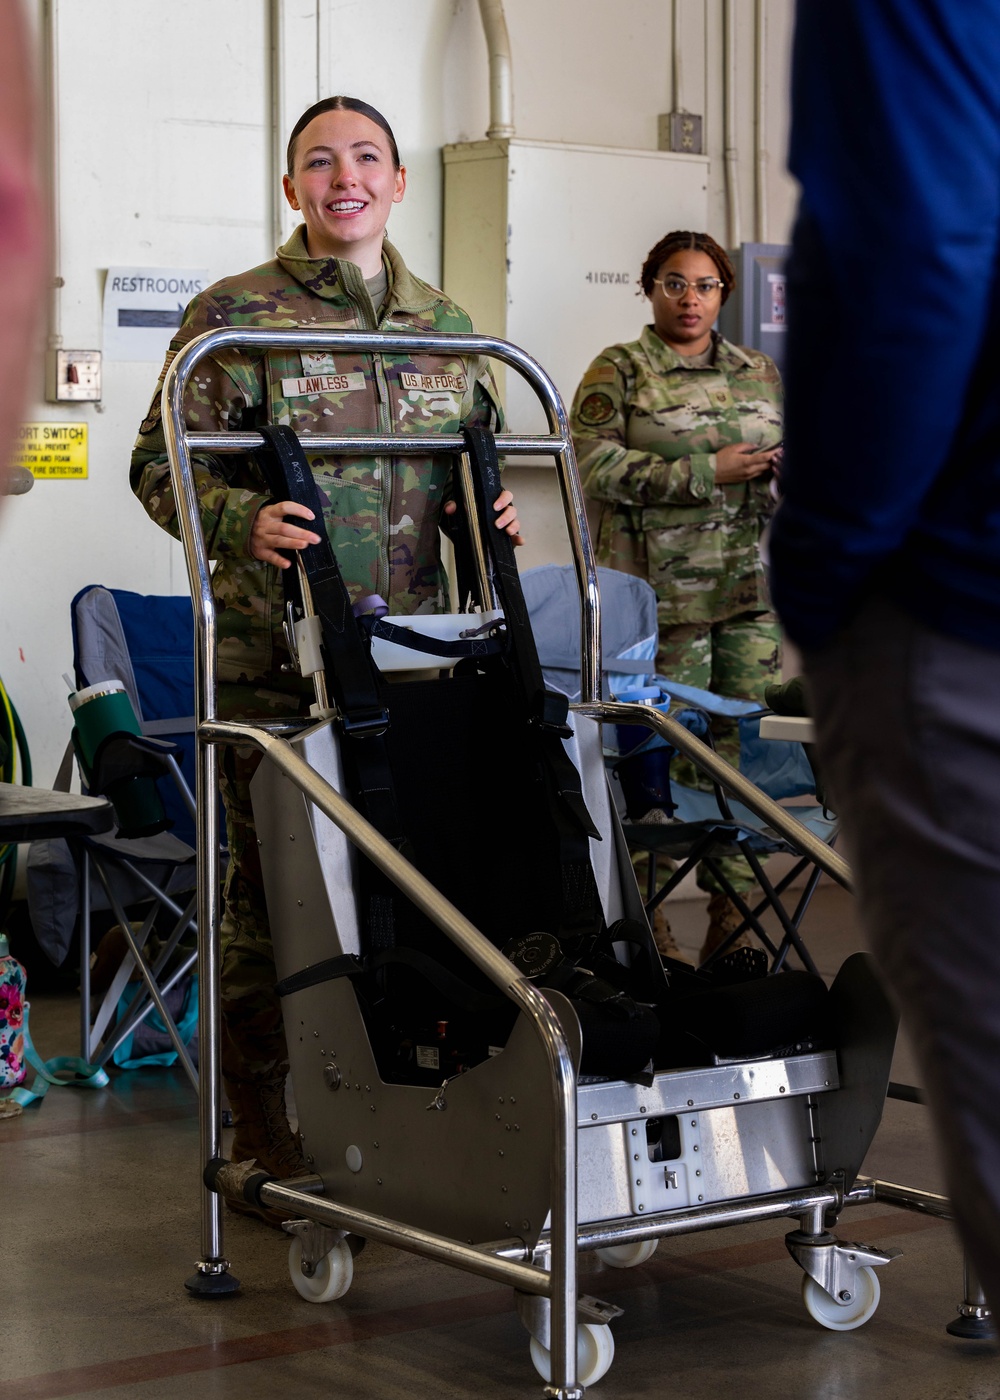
x,y
382,517
344,178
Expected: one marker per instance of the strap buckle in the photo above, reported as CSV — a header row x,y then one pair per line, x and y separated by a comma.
x,y
368,725
552,713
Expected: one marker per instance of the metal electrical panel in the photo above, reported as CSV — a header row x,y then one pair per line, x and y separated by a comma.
x,y
73,376
543,243
755,313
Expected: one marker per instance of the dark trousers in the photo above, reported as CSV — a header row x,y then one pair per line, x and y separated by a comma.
x,y
909,735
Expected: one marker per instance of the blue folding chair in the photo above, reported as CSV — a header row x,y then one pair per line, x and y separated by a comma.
x,y
668,820
147,643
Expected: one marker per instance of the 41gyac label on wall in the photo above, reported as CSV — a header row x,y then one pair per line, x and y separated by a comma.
x,y
53,449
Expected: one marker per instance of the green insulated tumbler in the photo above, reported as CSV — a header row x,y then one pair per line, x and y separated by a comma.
x,y
100,711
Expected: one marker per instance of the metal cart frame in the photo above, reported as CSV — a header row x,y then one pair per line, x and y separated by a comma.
x,y
507,1261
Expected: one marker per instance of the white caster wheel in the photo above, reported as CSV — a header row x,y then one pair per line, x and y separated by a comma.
x,y
595,1351
627,1256
843,1317
333,1273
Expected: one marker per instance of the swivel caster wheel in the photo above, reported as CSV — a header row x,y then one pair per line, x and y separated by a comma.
x,y
627,1256
595,1351
843,1317
331,1278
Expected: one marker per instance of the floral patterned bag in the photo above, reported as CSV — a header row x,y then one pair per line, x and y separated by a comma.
x,y
17,1052
12,1062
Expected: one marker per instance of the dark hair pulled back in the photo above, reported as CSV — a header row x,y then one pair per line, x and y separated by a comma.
x,y
340,104
681,241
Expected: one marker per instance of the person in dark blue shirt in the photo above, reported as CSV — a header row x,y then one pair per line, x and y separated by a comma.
x,y
885,552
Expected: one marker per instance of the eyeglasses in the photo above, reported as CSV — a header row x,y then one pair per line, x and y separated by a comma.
x,y
704,289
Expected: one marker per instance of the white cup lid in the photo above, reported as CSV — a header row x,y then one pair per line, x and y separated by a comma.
x,y
89,692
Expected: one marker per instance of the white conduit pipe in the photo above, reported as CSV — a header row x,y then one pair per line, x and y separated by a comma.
x,y
734,231
276,95
678,72
50,60
761,154
501,78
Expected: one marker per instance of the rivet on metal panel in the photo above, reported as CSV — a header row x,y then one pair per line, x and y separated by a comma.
x,y
642,1110
378,1181
507,1127
506,1224
640,1207
525,1224
690,1103
694,1122
375,1145
698,1171
500,1099
316,1034
497,1117
694,1148
299,903
634,1130
292,836
638,1181
372,1106
635,1157
781,1088
500,1153
503,1190
593,1119
517,1127
736,1096
701,1198
512,1099
368,1088
311,1161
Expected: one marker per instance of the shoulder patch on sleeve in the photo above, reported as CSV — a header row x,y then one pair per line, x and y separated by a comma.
x,y
595,409
149,423
599,374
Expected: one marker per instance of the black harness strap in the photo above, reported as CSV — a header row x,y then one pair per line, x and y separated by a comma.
x,y
548,709
485,642
350,672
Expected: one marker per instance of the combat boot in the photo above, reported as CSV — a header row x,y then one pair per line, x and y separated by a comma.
x,y
723,918
663,936
262,1133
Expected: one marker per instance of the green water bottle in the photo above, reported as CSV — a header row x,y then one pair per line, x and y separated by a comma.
x,y
101,711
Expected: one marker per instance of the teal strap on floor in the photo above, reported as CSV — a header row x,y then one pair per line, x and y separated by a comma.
x,y
63,1070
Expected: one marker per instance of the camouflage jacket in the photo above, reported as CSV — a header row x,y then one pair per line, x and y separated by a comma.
x,y
381,514
646,426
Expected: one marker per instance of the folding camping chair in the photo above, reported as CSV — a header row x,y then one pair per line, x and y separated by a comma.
x,y
668,820
146,643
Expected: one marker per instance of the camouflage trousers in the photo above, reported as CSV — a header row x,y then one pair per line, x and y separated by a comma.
x,y
736,658
253,1033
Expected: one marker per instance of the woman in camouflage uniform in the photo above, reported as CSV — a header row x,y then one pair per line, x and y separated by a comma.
x,y
677,435
382,515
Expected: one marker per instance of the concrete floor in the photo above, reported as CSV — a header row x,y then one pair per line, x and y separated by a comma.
x,y
100,1229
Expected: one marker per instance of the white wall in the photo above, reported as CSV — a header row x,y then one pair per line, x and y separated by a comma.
x,y
165,145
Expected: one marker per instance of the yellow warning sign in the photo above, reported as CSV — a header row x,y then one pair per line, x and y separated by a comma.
x,y
53,449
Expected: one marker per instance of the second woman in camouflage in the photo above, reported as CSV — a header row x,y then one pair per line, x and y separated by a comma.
x,y
677,435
